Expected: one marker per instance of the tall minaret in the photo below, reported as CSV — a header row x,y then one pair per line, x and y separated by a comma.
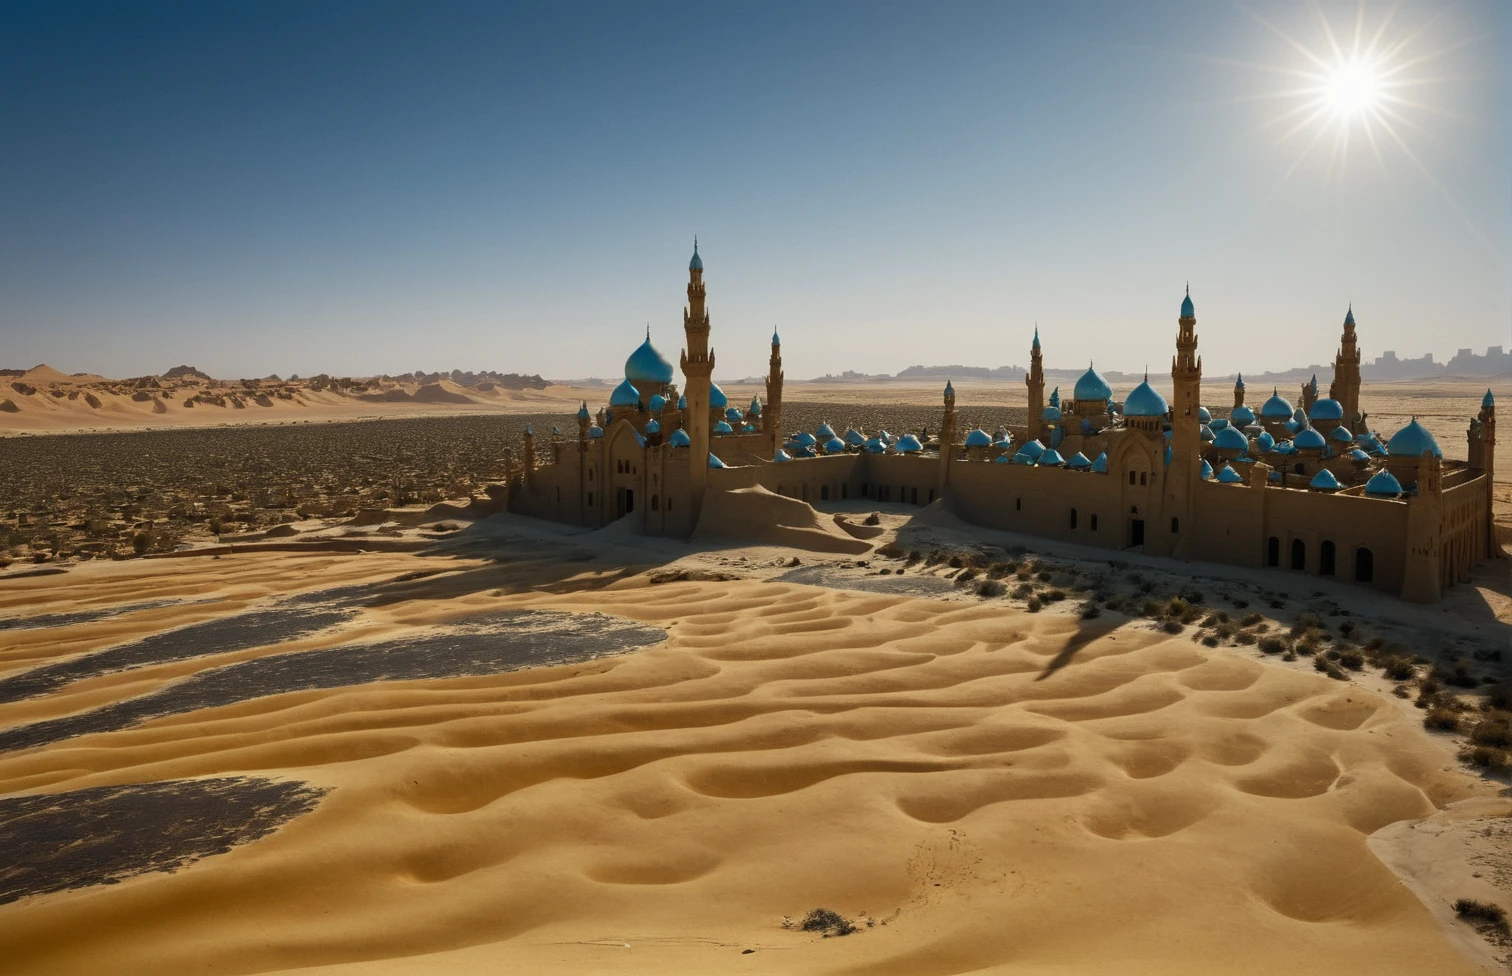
x,y
1346,382
1239,390
1186,434
947,437
1036,383
697,367
771,420
1483,459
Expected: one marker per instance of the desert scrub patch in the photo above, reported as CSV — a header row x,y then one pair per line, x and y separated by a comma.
x,y
827,922
1272,645
1441,719
1482,915
1033,606
1172,627
991,587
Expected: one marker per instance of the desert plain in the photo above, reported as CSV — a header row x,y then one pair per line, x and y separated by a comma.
x,y
296,698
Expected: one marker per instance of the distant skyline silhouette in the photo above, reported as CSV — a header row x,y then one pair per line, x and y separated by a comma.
x,y
363,188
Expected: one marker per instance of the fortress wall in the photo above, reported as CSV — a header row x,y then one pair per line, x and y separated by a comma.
x,y
1038,501
1349,522
1230,524
828,478
911,479
1462,531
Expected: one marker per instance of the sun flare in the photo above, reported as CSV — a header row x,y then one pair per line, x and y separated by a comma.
x,y
1352,89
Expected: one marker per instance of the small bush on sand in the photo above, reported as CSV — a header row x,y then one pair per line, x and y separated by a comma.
x,y
1172,627
991,587
1053,596
1033,606
1023,591
828,922
1487,757
1457,675
1441,720
1250,619
1245,637
1240,604
1329,668
1177,607
1272,645
967,575
1090,610
1044,576
956,562
1210,641
1352,659
914,556
1482,915
1400,669
892,551
1493,730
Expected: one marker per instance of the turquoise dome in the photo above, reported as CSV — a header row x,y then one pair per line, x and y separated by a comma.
x,y
1229,439
1228,476
1358,456
1207,469
1326,409
1292,426
1100,464
1144,401
658,403
978,438
874,446
625,395
715,462
583,411
755,407
748,429
1033,448
654,427
696,264
1342,435
723,428
1187,309
1051,414
1308,439
679,438
682,402
1051,458
909,444
1023,457
1277,407
733,414
595,432
1205,432
1204,415
1241,416
1488,400
1092,386
1325,480
854,437
1078,462
781,456
648,366
805,439
1349,315
825,431
834,446
1239,381
717,398
1383,482
1412,441
1003,459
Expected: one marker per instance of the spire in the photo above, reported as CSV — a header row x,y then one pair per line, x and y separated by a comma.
x,y
1488,400
648,331
696,264
1239,381
1036,336
1349,315
775,341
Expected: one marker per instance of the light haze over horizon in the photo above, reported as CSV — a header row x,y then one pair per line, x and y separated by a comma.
x,y
361,188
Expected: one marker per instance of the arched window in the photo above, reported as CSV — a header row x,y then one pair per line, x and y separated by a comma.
x,y
590,499
1094,523
654,506
1298,554
1073,518
1298,469
824,493
845,491
1018,504
1326,558
1142,478
1131,477
1175,525
1273,552
1364,565
931,496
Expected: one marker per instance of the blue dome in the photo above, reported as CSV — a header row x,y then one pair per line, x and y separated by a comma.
x,y
595,432
834,446
1033,448
1292,426
1358,456
1277,407
680,438
696,264
1002,437
1204,415
682,402
717,398
1092,386
1241,416
583,411
648,366
854,437
1326,409
1144,402
1342,435
874,446
1282,447
1078,461
625,395
1055,397
1023,457
1239,381
909,444
804,439
715,462
748,429
1207,469
755,407
1051,458
658,403
1383,482
1229,439
825,431
978,438
1264,441
1205,432
781,456
1412,441
1299,415
1187,309
1003,459
1308,439
1051,414
640,440
1218,423
653,427
884,436
1228,476
1349,315
732,414
1100,464
1325,479
1488,400
723,428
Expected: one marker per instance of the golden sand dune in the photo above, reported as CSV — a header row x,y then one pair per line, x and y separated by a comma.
x,y
984,789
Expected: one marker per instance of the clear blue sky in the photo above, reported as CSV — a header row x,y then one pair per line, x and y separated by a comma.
x,y
377,187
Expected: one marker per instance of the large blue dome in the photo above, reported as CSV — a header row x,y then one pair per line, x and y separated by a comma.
x,y
1326,409
717,398
1383,482
978,438
625,395
648,366
679,438
909,444
1145,401
1230,439
1277,407
1228,476
1092,386
1241,416
1412,441
1308,439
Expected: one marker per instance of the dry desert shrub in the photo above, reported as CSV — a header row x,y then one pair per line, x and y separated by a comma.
x,y
1482,915
828,922
1441,719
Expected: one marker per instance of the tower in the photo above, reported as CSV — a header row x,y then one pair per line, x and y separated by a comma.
x,y
947,437
1239,391
1186,434
529,455
1310,394
771,420
1482,457
1346,382
1036,383
697,367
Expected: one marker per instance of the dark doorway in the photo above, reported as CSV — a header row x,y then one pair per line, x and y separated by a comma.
x,y
1364,565
824,493
1326,559
1298,554
1136,532
624,501
1273,552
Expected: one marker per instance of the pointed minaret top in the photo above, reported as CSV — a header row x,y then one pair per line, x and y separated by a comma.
x,y
697,263
949,390
1239,381
1036,336
1349,315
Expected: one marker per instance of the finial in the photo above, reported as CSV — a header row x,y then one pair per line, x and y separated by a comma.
x,y
1189,289
648,331
1147,373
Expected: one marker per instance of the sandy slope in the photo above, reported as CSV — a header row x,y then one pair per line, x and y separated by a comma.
x,y
1009,792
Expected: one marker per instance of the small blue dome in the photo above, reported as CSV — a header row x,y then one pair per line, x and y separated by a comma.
x,y
648,366
781,456
1051,458
1383,482
1349,315
1205,432
1239,381
679,438
748,429
1023,457
1277,407
583,411
723,428
682,402
909,444
1292,426
1488,400
854,437
1326,409
1003,459
1325,480
640,439
1412,441
658,403
1078,462
1100,464
804,439
834,446
1283,447
733,414
1207,469
1092,386
1002,437
1342,435
1187,309
1144,401
715,462
1228,476
1204,415
884,436
755,407
874,445
1051,414
825,431
775,341
1358,456
1299,415
1241,416
595,432
949,390
625,395
978,438
696,264
1055,397
1218,423
653,427
717,398
1274,476
1033,448
1229,439
1308,439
